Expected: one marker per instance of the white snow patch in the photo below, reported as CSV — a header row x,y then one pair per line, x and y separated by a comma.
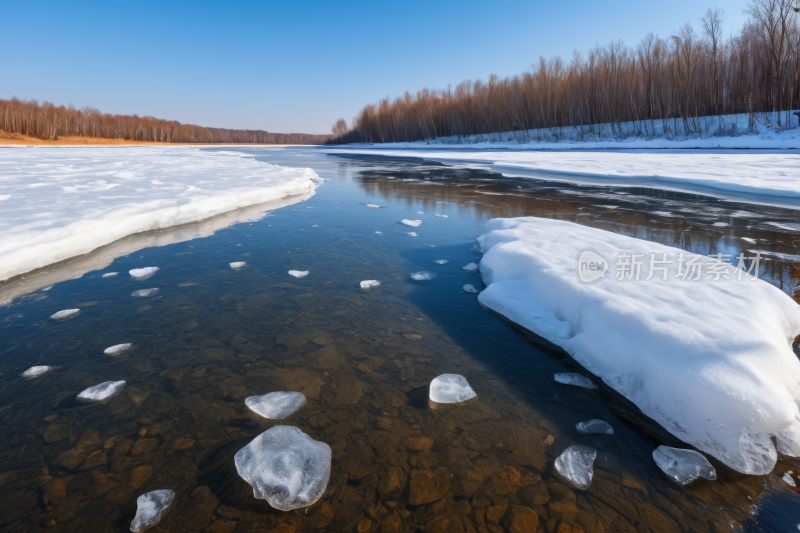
x,y
65,314
568,378
144,293
471,268
412,223
298,273
576,465
35,371
683,466
276,405
237,265
70,201
110,274
370,284
117,349
423,275
286,467
450,388
141,274
469,288
102,391
678,349
150,509
594,425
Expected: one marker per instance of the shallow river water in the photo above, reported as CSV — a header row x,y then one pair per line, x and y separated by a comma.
x,y
213,336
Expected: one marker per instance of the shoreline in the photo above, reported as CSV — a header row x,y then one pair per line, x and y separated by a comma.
x,y
15,140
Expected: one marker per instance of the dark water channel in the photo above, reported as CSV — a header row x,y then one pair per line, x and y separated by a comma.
x,y
214,336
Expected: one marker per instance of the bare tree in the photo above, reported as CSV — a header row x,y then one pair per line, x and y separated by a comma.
x,y
712,27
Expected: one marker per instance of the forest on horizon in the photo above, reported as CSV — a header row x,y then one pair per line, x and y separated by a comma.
x,y
47,121
694,73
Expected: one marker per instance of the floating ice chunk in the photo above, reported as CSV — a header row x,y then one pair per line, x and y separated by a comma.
x,y
420,213
412,223
315,225
150,509
683,466
370,284
441,261
788,479
413,234
141,274
102,391
117,349
144,293
721,224
470,288
575,464
441,216
35,371
379,232
476,248
471,268
65,314
47,288
286,467
575,379
594,426
276,405
110,274
237,265
298,273
423,275
450,388
376,206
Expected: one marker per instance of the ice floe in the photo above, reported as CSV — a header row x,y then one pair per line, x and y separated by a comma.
x,y
412,223
144,293
141,274
368,284
788,479
35,371
471,268
576,465
442,216
298,273
117,349
65,314
151,508
568,378
379,232
375,206
276,405
110,274
683,466
450,388
237,265
441,261
102,391
594,425
469,288
286,467
412,234
680,350
423,275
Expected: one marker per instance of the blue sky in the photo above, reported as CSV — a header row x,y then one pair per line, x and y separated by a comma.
x,y
298,66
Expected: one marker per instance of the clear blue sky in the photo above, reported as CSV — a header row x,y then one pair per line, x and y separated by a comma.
x,y
298,66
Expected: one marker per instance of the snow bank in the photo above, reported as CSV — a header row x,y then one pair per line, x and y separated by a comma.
x,y
711,361
67,202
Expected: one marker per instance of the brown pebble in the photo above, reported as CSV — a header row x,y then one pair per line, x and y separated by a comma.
x,y
49,522
48,418
180,445
100,479
391,524
54,492
364,525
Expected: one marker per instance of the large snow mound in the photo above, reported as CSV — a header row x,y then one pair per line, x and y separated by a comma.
x,y
66,202
711,361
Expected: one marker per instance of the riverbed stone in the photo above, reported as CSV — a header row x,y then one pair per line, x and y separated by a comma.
x,y
428,486
519,519
53,492
144,446
391,524
137,476
418,443
449,522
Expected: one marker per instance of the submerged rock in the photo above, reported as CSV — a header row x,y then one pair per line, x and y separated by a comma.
x,y
144,293
141,274
469,288
370,284
683,466
237,265
35,371
594,425
117,349
66,314
575,379
450,388
151,508
102,391
276,405
423,275
298,273
286,467
576,465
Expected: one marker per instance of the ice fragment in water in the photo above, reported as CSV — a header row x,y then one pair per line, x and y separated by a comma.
x,y
140,274
65,314
575,464
441,261
420,213
575,379
276,405
594,426
102,391
376,206
379,233
144,293
298,273
370,284
450,388
471,268
683,466
412,223
788,479
117,349
315,225
237,265
110,274
423,275
47,288
470,288
413,234
35,371
441,216
150,508
476,248
286,467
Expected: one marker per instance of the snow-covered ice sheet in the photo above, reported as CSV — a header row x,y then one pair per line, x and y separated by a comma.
x,y
65,314
683,466
117,349
450,388
35,371
286,467
276,405
576,465
65,202
102,391
711,361
150,509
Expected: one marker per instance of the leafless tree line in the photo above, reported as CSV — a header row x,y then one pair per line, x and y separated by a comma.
x,y
660,85
47,121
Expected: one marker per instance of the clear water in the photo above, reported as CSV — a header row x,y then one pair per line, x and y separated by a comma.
x,y
213,336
